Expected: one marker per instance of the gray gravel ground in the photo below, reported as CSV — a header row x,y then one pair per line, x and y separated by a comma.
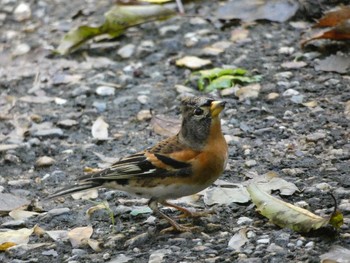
x,y
306,145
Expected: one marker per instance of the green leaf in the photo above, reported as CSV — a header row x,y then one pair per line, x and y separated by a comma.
x,y
118,19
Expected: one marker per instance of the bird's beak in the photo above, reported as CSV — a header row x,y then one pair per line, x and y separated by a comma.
x,y
216,107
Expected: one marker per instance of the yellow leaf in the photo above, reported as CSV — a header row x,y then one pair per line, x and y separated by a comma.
x,y
287,215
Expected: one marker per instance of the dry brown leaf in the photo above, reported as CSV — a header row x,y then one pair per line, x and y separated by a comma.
x,y
335,17
11,238
80,235
165,125
103,206
347,110
95,245
18,214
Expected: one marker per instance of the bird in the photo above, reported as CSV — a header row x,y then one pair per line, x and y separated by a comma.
x,y
181,165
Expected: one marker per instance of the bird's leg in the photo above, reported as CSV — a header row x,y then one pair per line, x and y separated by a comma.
x,y
153,204
188,213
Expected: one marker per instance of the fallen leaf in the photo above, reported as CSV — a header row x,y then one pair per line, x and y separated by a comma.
x,y
117,20
337,254
58,235
334,17
310,104
239,34
335,63
339,32
192,62
12,238
102,206
238,240
273,10
95,245
287,215
80,235
18,214
99,129
165,125
231,193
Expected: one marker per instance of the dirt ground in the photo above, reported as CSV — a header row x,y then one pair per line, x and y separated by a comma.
x,y
306,144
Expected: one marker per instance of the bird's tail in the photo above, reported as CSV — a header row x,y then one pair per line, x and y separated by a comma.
x,y
75,188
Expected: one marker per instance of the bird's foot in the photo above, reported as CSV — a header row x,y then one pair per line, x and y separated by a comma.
x,y
180,228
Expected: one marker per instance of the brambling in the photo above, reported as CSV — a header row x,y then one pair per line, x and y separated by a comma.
x,y
178,166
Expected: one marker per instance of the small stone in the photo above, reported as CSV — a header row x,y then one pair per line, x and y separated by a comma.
x,y
283,75
250,163
57,212
183,89
44,161
323,186
121,258
137,240
100,106
11,158
297,99
67,123
55,132
192,62
286,50
293,64
275,248
127,51
244,220
198,21
229,91
21,49
168,29
144,115
82,90
105,91
143,99
22,12
316,136
310,244
251,234
272,96
299,243
290,93
158,255
263,241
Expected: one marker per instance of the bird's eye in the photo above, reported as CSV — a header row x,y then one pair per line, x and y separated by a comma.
x,y
198,111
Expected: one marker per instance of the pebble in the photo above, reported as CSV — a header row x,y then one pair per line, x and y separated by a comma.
x,y
127,51
168,29
290,93
286,50
316,136
310,244
44,161
297,99
283,75
183,89
198,21
21,49
250,163
57,211
81,100
191,39
82,90
67,123
263,241
299,243
158,255
55,132
251,234
105,91
273,248
121,258
143,99
137,240
100,106
144,115
11,158
282,239
22,12
244,220
145,48
272,96
323,186
20,182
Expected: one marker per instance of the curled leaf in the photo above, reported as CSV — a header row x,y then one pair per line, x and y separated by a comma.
x,y
118,18
287,215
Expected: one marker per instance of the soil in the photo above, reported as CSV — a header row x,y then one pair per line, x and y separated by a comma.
x,y
308,146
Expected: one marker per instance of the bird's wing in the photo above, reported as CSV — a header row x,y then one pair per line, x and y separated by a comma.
x,y
165,159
